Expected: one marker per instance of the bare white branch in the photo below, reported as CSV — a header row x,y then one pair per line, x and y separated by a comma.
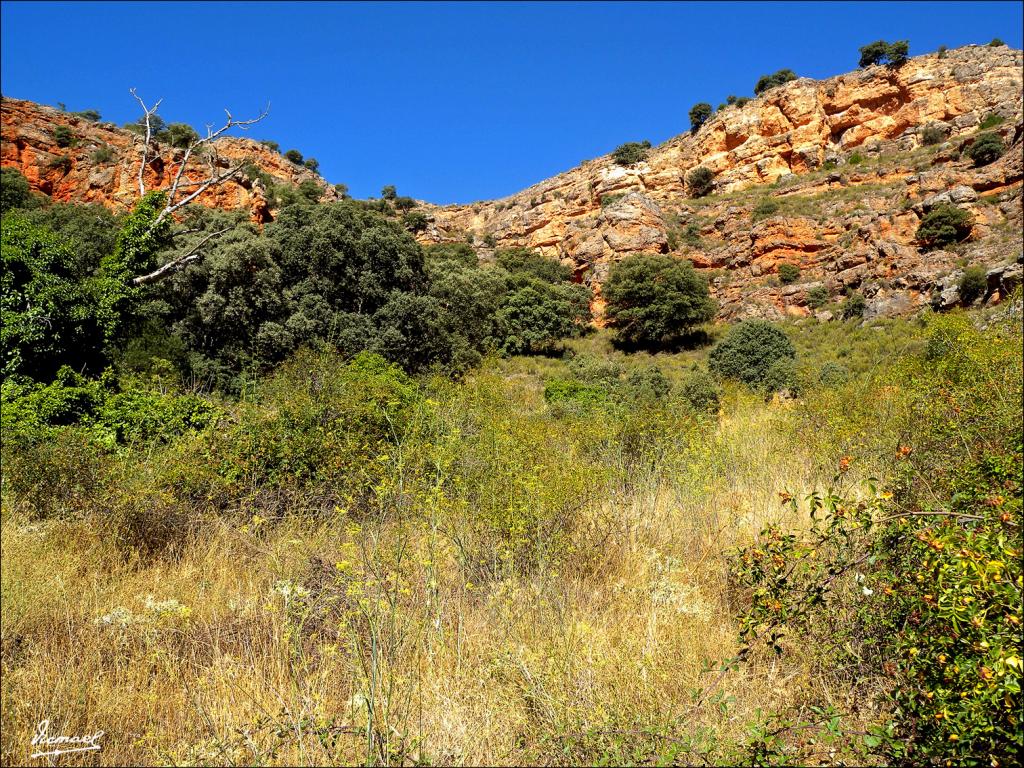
x,y
149,134
174,265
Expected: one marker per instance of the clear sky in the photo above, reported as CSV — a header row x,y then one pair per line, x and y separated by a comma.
x,y
452,102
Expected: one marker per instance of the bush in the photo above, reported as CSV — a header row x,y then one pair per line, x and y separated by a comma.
x,y
781,377
700,181
817,297
102,155
528,263
931,135
748,352
881,52
88,114
996,43
60,163
942,51
389,192
943,225
341,190
765,207
767,82
833,374
632,152
575,392
789,273
654,301
415,221
700,393
404,204
987,148
535,316
15,191
699,114
855,158
293,156
181,135
63,136
273,146
312,164
991,121
854,307
973,284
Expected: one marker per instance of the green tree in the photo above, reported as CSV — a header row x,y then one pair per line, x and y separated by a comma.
x,y
700,181
534,317
749,351
881,52
63,136
181,135
389,192
312,164
631,152
700,113
767,82
987,148
789,273
943,225
15,191
973,284
293,156
654,301
530,264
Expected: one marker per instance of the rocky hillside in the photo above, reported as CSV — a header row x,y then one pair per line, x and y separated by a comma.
x,y
830,176
844,165
100,162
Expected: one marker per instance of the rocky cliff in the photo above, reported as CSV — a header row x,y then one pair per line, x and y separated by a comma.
x,y
830,176
100,161
843,165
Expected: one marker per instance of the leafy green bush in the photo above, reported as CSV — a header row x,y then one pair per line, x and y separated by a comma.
x,y
273,146
748,352
654,301
415,221
996,43
63,136
536,315
833,374
88,114
991,121
943,225
931,135
817,297
15,191
767,82
181,135
855,158
646,385
575,392
765,207
781,376
854,307
699,181
102,155
631,152
312,164
881,52
293,156
973,284
700,393
985,149
789,273
700,113
389,192
529,263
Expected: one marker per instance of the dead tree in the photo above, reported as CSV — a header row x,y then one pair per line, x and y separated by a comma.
x,y
183,190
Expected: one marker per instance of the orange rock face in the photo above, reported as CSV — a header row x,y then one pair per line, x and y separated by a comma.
x,y
101,164
844,160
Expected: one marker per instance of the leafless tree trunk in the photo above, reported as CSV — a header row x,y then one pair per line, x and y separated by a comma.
x,y
180,183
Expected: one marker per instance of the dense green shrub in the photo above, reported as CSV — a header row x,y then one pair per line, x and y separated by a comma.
x,y
855,158
996,43
700,113
700,393
700,181
881,52
817,297
460,253
310,191
854,306
781,376
342,190
294,156
389,192
941,50
789,273
632,152
765,207
102,155
273,146
985,149
931,135
748,352
63,136
181,135
833,374
646,385
536,315
973,284
991,121
15,191
655,301
767,82
312,164
943,225
88,114
524,261
415,221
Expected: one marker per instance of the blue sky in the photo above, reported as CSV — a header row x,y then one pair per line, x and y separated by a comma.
x,y
452,102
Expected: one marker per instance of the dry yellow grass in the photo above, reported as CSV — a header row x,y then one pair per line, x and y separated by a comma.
x,y
310,642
